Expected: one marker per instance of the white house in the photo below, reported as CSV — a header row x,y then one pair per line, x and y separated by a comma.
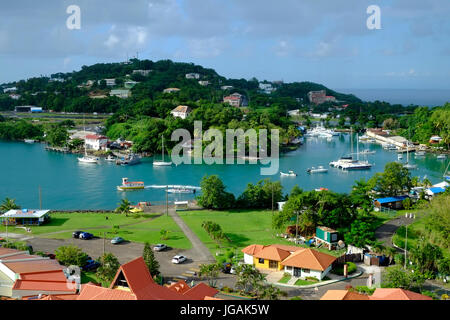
x,y
120,93
308,263
226,87
171,90
110,82
142,72
15,96
95,142
192,76
203,83
181,112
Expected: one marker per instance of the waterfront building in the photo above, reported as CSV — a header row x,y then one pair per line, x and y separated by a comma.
x,y
25,217
181,112
96,142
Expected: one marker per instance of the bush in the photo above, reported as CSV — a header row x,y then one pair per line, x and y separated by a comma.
x,y
365,290
339,269
312,279
296,298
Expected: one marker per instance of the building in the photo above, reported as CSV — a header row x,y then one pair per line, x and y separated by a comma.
x,y
266,88
235,100
142,72
31,109
203,83
226,87
326,235
95,142
12,89
181,112
397,294
308,263
434,191
435,140
110,82
15,96
171,90
120,93
25,217
192,76
319,97
134,282
130,84
24,275
343,295
390,202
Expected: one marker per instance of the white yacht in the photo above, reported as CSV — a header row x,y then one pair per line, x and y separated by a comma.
x,y
162,163
289,174
441,157
407,165
319,169
420,154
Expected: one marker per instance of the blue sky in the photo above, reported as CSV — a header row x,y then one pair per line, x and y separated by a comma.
x,y
324,41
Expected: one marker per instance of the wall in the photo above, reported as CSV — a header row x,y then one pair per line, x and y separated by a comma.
x,y
248,259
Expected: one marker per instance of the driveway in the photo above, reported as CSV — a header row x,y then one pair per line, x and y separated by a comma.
x,y
385,232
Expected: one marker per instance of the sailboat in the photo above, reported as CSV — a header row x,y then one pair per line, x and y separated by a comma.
x,y
86,158
407,165
162,163
358,164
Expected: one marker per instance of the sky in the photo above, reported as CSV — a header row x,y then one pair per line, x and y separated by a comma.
x,y
324,41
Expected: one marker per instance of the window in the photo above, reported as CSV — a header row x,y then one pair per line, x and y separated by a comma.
x,y
305,270
273,264
261,261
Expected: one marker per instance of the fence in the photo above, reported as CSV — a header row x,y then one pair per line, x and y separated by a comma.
x,y
353,257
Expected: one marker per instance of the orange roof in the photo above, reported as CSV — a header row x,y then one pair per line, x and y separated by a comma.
x,y
57,297
343,295
287,248
184,109
56,275
309,259
180,286
252,249
33,265
272,253
200,292
397,294
90,291
43,286
6,251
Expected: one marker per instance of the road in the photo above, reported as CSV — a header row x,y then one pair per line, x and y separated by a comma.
x,y
385,232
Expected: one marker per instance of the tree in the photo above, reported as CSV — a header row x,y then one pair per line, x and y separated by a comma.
x,y
271,292
150,260
57,135
261,195
71,255
425,256
397,277
214,195
394,181
360,234
123,206
249,279
360,195
9,204
210,272
109,265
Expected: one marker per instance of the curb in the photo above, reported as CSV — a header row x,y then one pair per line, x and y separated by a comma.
x,y
359,273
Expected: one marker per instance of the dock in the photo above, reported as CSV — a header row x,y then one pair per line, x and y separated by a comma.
x,y
57,149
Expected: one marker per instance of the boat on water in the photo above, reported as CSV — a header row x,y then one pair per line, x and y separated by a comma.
x,y
348,163
181,190
320,189
162,163
367,151
110,158
407,165
400,156
86,158
30,141
320,131
420,154
319,169
130,160
441,157
289,174
389,146
130,185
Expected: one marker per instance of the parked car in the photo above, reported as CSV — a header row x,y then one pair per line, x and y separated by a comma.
x,y
90,265
179,259
226,267
117,240
160,247
86,236
76,234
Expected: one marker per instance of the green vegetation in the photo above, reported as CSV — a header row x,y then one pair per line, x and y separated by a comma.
x,y
339,269
301,282
109,264
285,279
150,260
214,195
71,255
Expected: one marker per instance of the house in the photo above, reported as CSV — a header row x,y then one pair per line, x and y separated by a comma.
x,y
435,140
15,96
95,142
181,112
120,93
142,72
390,202
226,87
203,83
192,76
171,90
326,235
397,294
110,82
25,217
434,191
271,257
319,97
308,263
23,275
266,88
12,89
130,84
134,282
236,100
31,109
343,295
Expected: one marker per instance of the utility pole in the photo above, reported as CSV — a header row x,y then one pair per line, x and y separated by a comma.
x,y
104,244
406,243
272,199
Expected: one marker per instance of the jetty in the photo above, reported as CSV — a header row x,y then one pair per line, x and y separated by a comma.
x,y
58,149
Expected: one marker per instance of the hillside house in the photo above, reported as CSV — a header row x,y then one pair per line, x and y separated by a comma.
x,y
181,112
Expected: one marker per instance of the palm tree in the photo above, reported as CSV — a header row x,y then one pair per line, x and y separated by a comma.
x,y
390,253
211,272
378,247
271,292
124,206
9,204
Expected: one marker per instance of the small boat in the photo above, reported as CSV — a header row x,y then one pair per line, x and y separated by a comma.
x,y
441,157
367,151
410,166
110,158
30,141
128,185
129,161
289,174
321,189
319,169
420,153
88,159
181,190
400,156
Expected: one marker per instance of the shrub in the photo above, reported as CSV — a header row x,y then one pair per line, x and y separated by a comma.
x,y
312,279
430,294
339,269
296,298
365,290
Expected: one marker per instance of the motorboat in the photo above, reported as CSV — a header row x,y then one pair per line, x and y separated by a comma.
x,y
181,190
319,169
420,154
130,160
410,166
129,185
320,189
110,158
289,174
162,163
367,151
356,165
441,157
400,156
29,141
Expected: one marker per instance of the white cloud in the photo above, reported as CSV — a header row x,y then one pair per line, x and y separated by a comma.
x,y
206,48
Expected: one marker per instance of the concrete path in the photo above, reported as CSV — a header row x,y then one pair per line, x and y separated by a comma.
x,y
199,252
385,232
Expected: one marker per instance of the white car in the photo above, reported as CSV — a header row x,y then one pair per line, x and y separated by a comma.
x,y
160,247
179,259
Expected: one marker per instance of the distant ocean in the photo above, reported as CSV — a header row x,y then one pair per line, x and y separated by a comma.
x,y
421,97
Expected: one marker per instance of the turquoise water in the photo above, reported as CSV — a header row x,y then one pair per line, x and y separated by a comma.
x,y
69,185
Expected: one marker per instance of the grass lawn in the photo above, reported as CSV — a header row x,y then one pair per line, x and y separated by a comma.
x,y
285,279
243,227
139,230
383,217
301,282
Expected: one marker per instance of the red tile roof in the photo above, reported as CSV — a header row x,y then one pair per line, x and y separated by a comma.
x,y
90,291
44,286
309,259
200,292
95,137
252,249
343,295
397,294
272,253
180,286
43,276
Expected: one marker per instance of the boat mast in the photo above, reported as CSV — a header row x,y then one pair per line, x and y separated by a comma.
x,y
84,129
357,147
351,140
